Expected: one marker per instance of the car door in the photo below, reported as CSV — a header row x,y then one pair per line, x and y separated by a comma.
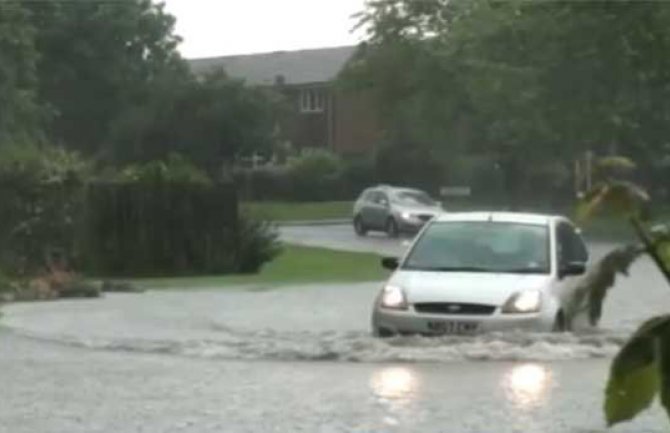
x,y
362,208
377,210
371,209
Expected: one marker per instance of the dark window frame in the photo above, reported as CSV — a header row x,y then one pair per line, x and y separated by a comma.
x,y
568,239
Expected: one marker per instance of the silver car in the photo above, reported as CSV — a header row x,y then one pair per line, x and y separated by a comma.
x,y
393,210
478,272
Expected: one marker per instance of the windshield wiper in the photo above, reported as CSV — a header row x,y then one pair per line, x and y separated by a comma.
x,y
523,271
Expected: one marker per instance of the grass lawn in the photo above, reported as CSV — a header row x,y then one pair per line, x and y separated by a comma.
x,y
285,211
296,265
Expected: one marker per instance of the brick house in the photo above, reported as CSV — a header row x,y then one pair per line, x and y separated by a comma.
x,y
322,115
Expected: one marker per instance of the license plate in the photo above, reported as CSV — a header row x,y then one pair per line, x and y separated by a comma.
x,y
455,328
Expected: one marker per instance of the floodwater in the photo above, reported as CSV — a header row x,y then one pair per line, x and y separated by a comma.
x,y
256,359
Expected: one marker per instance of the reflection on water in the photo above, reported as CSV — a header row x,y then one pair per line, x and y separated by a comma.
x,y
527,385
395,383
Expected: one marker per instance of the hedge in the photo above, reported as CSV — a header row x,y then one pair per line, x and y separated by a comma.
x,y
151,229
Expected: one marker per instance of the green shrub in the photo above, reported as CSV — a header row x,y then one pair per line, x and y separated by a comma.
x,y
257,245
40,191
314,163
159,229
5,283
171,229
315,174
265,183
175,169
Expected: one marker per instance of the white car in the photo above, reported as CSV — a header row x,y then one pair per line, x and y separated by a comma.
x,y
476,272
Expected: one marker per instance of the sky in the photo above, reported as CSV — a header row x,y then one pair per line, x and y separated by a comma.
x,y
224,27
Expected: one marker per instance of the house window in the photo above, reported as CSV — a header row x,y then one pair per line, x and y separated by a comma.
x,y
312,101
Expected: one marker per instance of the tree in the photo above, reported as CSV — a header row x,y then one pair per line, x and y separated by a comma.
x,y
19,111
522,80
209,120
96,60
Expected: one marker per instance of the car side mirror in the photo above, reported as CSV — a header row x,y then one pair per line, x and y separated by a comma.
x,y
573,269
390,263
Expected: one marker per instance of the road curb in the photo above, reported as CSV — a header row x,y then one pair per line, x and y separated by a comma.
x,y
313,223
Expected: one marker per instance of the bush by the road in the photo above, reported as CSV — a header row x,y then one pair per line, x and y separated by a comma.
x,y
5,283
257,245
159,228
314,173
40,192
313,176
161,218
174,169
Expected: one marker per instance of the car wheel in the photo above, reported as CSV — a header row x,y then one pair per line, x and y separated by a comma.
x,y
359,227
560,325
392,228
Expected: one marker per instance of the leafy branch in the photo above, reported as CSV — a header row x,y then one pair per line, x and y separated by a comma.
x,y
641,370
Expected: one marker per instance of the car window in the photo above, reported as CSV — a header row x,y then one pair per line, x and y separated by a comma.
x,y
379,198
482,246
571,247
412,198
367,196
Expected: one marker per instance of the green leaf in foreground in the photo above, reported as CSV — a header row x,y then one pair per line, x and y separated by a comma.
x,y
635,377
663,355
616,163
631,393
664,252
618,198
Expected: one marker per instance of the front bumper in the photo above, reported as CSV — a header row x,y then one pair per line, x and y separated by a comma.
x,y
386,321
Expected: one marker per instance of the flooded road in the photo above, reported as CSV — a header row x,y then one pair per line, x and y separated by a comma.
x,y
258,359
57,389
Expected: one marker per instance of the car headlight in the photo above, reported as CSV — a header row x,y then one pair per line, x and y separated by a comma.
x,y
394,298
406,216
529,301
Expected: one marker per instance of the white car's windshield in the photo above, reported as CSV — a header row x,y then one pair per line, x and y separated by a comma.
x,y
412,198
475,246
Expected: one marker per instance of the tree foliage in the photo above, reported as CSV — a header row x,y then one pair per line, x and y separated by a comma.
x,y
105,79
96,60
19,113
208,120
40,190
526,81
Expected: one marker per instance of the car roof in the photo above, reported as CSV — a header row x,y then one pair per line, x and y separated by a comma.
x,y
507,217
393,188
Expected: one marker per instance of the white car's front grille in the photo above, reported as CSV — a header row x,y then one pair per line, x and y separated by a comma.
x,y
454,308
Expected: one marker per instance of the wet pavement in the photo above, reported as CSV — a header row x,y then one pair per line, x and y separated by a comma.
x,y
256,359
342,237
54,389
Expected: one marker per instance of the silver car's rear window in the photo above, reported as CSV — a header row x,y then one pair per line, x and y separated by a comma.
x,y
482,246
